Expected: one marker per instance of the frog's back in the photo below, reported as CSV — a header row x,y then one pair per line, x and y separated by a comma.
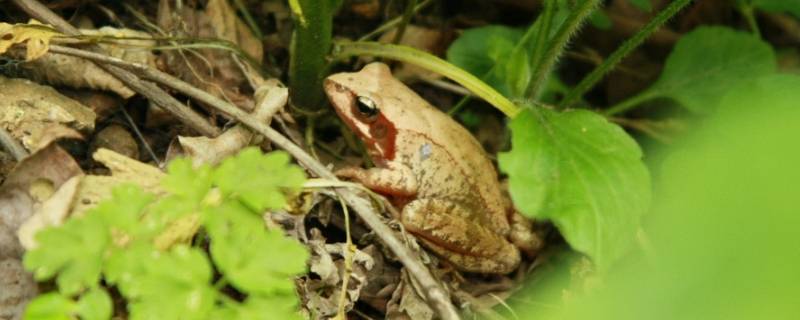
x,y
429,135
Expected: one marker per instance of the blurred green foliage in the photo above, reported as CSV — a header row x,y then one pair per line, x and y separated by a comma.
x,y
120,244
722,241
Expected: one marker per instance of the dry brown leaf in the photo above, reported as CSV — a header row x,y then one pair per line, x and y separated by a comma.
x,y
35,34
37,115
52,212
51,167
64,70
322,296
228,26
94,189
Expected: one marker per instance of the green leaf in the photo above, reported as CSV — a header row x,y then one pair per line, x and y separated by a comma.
x,y
259,180
706,63
789,6
73,250
253,259
50,306
95,305
175,285
477,50
183,179
581,172
724,231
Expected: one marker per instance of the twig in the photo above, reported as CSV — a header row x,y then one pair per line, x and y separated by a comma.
x,y
12,146
435,294
148,89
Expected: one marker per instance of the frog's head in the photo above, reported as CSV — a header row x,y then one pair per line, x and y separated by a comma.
x,y
359,102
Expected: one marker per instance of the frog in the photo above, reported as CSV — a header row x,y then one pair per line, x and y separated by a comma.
x,y
433,170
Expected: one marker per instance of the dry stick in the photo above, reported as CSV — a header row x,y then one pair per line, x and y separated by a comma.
x,y
435,294
148,89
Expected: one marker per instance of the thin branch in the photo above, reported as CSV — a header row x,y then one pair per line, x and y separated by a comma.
x,y
148,89
435,294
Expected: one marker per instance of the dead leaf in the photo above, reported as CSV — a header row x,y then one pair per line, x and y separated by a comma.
x,y
35,34
327,261
94,189
50,166
64,70
37,115
228,26
52,212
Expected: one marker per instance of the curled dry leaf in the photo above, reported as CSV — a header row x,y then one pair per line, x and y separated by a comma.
x,y
37,115
94,189
52,212
212,69
50,166
327,261
34,34
270,98
407,302
59,69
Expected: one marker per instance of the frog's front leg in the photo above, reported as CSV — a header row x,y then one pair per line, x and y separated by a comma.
x,y
394,179
448,230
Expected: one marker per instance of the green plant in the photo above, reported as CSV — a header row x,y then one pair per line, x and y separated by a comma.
x,y
141,245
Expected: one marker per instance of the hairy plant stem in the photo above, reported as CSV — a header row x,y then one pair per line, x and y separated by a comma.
x,y
597,74
545,22
311,43
556,46
344,49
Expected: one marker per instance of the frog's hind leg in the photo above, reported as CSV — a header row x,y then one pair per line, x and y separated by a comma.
x,y
449,230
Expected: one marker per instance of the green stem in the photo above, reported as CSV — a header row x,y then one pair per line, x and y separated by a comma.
x,y
597,74
392,23
407,14
629,103
556,46
544,31
311,43
344,49
749,14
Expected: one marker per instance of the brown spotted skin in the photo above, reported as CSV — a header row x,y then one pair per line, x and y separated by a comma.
x,y
431,166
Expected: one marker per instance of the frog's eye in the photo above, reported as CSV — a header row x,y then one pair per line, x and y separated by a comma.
x,y
366,107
